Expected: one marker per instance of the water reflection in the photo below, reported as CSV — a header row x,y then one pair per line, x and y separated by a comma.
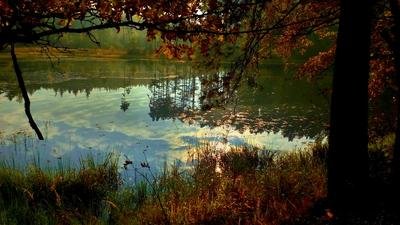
x,y
188,100
126,106
124,103
171,97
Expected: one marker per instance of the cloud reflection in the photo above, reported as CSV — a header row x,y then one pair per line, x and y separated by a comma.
x,y
76,125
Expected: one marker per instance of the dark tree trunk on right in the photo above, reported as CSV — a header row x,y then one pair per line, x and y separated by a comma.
x,y
395,9
348,137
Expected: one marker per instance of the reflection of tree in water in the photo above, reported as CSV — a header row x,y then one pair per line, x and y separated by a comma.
x,y
302,122
190,100
169,97
216,91
124,103
82,77
73,86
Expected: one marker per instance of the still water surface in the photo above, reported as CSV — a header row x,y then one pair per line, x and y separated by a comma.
x,y
148,109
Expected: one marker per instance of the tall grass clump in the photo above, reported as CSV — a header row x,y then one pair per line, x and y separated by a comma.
x,y
68,196
243,185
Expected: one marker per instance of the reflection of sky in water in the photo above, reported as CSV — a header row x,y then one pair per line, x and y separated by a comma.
x,y
77,125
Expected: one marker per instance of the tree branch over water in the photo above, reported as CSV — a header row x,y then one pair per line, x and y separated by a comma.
x,y
27,102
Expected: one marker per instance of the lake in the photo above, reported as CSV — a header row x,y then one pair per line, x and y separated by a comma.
x,y
149,109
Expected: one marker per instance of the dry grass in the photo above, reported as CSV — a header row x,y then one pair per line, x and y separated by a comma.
x,y
45,53
244,185
59,197
241,186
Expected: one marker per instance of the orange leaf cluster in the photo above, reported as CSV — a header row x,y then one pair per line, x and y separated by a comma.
x,y
315,65
177,51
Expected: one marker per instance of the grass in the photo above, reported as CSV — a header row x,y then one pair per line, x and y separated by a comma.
x,y
245,185
57,197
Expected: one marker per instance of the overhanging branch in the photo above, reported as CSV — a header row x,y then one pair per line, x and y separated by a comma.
x,y
24,93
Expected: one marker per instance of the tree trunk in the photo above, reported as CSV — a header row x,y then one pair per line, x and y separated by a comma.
x,y
348,137
24,93
395,8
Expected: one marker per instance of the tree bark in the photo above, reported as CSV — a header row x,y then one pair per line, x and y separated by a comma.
x,y
348,137
27,102
395,9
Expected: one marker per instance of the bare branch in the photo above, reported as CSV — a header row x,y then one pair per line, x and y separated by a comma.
x,y
24,93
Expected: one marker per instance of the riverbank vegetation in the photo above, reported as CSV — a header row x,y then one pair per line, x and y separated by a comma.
x,y
244,185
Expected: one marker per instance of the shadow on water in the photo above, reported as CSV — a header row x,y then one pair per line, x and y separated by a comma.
x,y
279,106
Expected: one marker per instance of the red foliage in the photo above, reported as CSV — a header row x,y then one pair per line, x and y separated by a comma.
x,y
315,65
